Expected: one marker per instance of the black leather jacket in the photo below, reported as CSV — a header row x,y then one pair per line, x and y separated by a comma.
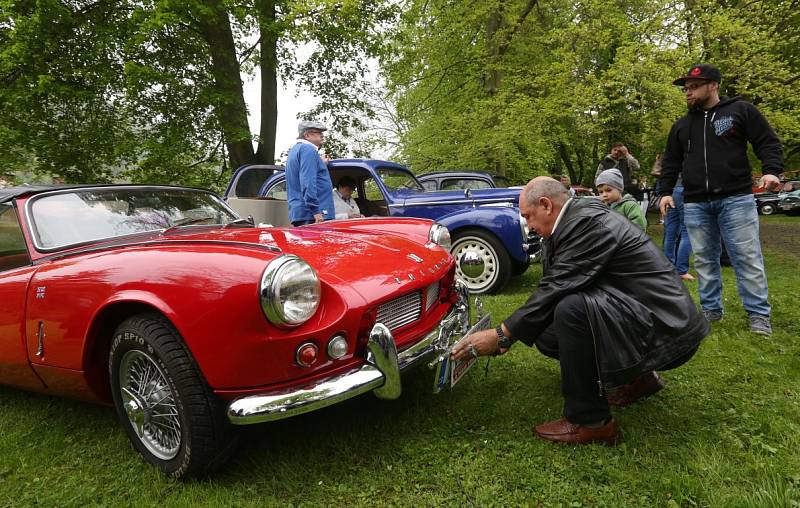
x,y
642,316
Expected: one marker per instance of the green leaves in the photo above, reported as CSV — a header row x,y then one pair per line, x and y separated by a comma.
x,y
152,90
572,77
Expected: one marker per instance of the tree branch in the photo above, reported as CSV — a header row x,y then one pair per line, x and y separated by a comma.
x,y
503,46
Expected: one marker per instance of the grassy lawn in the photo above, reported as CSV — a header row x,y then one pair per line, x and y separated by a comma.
x,y
725,432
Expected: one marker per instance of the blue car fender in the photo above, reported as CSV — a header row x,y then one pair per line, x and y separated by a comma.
x,y
503,222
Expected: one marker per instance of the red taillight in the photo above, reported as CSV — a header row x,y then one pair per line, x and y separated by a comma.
x,y
306,354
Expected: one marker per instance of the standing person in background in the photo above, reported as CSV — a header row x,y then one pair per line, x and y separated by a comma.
x,y
708,147
308,184
565,181
656,191
609,188
621,159
677,246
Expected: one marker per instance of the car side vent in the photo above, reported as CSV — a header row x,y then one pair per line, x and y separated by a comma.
x,y
400,311
431,294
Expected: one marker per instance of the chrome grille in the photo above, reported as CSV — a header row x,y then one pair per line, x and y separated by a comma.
x,y
431,294
400,311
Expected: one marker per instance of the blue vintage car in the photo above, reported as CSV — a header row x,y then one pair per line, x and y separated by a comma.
x,y
454,180
489,237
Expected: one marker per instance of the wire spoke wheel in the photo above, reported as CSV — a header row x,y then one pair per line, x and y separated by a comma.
x,y
150,404
163,402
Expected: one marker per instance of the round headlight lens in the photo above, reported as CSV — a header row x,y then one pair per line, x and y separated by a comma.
x,y
440,236
337,347
290,291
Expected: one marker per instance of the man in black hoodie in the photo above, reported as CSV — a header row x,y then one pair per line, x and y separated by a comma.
x,y
708,146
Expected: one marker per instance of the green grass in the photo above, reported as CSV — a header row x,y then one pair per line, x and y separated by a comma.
x,y
725,432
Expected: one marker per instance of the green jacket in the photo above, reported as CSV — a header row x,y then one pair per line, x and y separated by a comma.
x,y
630,208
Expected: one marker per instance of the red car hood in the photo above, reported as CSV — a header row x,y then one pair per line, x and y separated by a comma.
x,y
354,256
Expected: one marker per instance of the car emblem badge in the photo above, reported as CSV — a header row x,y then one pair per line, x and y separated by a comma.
x,y
414,257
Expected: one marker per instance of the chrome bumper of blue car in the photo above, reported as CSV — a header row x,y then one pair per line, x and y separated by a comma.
x,y
380,373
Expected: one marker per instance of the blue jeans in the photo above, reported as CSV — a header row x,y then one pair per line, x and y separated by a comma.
x,y
735,219
677,247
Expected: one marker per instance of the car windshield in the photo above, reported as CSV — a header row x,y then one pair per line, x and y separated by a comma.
x,y
397,179
79,216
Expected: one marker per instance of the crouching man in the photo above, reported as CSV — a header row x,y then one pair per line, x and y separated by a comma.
x,y
609,307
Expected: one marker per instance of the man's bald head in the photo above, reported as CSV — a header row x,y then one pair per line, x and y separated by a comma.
x,y
544,186
540,202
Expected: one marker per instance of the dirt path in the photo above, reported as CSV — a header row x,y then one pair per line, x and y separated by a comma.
x,y
782,237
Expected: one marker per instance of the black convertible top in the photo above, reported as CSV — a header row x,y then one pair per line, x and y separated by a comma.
x,y
9,193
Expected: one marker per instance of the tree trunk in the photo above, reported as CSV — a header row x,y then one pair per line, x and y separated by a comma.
x,y
231,109
562,151
269,82
498,40
494,45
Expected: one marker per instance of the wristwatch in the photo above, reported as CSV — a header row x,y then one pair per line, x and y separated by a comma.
x,y
502,340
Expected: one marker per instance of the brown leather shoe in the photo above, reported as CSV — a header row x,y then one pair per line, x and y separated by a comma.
x,y
564,431
643,387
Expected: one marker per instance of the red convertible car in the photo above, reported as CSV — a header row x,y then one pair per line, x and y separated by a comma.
x,y
161,301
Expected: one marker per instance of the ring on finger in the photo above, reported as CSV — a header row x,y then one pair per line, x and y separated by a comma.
x,y
473,351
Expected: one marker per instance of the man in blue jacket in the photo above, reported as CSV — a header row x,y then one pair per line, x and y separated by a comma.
x,y
308,184
708,146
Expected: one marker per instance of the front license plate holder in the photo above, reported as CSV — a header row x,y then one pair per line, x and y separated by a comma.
x,y
449,371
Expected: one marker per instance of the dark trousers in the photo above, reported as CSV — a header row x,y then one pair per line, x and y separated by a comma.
x,y
569,340
302,222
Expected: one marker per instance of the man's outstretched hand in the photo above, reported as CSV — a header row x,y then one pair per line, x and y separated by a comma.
x,y
483,343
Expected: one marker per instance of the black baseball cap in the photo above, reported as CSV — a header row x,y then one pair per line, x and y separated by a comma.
x,y
700,71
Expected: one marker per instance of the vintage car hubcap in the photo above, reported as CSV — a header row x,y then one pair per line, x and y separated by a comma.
x,y
471,264
150,405
477,265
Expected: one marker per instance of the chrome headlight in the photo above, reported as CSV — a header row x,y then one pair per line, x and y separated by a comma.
x,y
440,236
523,224
289,291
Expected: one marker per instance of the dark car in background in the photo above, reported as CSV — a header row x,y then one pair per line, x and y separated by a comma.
x,y
459,180
790,201
786,200
767,202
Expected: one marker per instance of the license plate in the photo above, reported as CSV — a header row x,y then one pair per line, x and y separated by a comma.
x,y
449,371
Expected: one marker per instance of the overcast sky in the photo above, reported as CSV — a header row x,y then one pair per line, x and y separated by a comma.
x,y
289,107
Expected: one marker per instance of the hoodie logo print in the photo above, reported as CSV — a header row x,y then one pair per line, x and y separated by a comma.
x,y
723,125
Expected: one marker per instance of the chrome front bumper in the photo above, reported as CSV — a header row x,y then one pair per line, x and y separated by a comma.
x,y
381,373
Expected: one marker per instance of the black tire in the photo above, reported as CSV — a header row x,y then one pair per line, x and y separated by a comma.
x,y
767,208
497,262
156,384
518,268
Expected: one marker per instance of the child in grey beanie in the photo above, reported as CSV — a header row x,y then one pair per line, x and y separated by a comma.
x,y
609,187
611,177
